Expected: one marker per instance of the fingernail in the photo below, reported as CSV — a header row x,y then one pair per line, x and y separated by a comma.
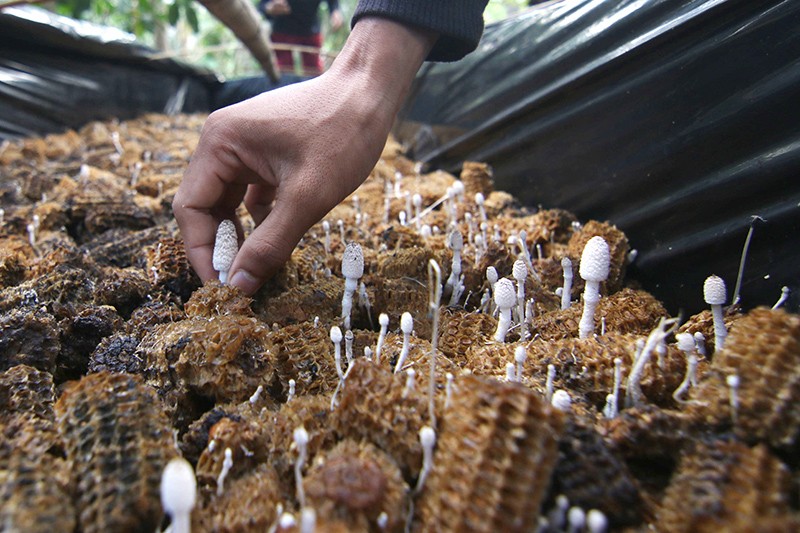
x,y
245,281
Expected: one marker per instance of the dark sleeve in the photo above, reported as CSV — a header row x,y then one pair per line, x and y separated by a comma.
x,y
333,5
458,22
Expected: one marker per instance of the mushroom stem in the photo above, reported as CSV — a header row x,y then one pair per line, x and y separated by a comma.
x,y
566,291
633,396
715,295
434,303
406,325
383,319
427,437
595,264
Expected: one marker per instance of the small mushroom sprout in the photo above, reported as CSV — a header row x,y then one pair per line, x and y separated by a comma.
x,y
566,290
352,270
505,297
406,326
714,293
595,263
178,494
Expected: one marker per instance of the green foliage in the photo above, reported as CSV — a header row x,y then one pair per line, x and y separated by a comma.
x,y
500,9
187,28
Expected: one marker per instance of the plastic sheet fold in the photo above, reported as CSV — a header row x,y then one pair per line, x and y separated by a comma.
x,y
58,73
677,121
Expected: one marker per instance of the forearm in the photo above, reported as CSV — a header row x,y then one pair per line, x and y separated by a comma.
x,y
381,57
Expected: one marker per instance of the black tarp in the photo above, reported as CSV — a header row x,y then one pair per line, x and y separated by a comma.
x,y
675,120
58,73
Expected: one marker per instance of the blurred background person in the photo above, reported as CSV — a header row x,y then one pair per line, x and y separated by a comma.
x,y
297,22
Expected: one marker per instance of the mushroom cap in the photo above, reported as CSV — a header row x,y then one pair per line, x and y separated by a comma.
x,y
576,517
566,263
178,487
561,400
226,246
714,291
519,270
479,198
326,225
353,261
455,241
300,436
336,334
383,319
505,295
491,274
427,437
417,200
596,520
685,342
458,187
595,260
406,322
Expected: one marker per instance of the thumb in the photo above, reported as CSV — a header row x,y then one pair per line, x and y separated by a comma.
x,y
265,251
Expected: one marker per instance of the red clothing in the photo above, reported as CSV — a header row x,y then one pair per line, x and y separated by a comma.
x,y
312,62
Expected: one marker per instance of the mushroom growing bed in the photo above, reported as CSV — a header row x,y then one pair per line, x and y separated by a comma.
x,y
114,360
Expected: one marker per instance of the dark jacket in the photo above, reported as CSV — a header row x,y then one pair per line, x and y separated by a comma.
x,y
459,22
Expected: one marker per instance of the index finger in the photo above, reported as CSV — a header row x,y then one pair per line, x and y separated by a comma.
x,y
212,188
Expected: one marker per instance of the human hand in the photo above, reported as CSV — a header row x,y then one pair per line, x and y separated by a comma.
x,y
294,153
277,8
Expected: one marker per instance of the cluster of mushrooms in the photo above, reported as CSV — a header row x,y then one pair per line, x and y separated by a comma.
x,y
434,357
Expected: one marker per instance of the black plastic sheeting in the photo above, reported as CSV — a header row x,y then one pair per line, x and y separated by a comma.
x,y
676,121
58,73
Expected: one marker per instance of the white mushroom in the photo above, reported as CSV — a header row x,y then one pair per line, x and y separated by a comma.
x,y
596,521
714,293
479,200
519,271
595,264
687,346
733,387
308,520
417,201
505,298
548,387
455,241
406,326
566,291
510,372
427,437
300,436
410,383
178,493
336,338
562,401
785,292
520,356
226,246
326,227
383,320
352,270
227,464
